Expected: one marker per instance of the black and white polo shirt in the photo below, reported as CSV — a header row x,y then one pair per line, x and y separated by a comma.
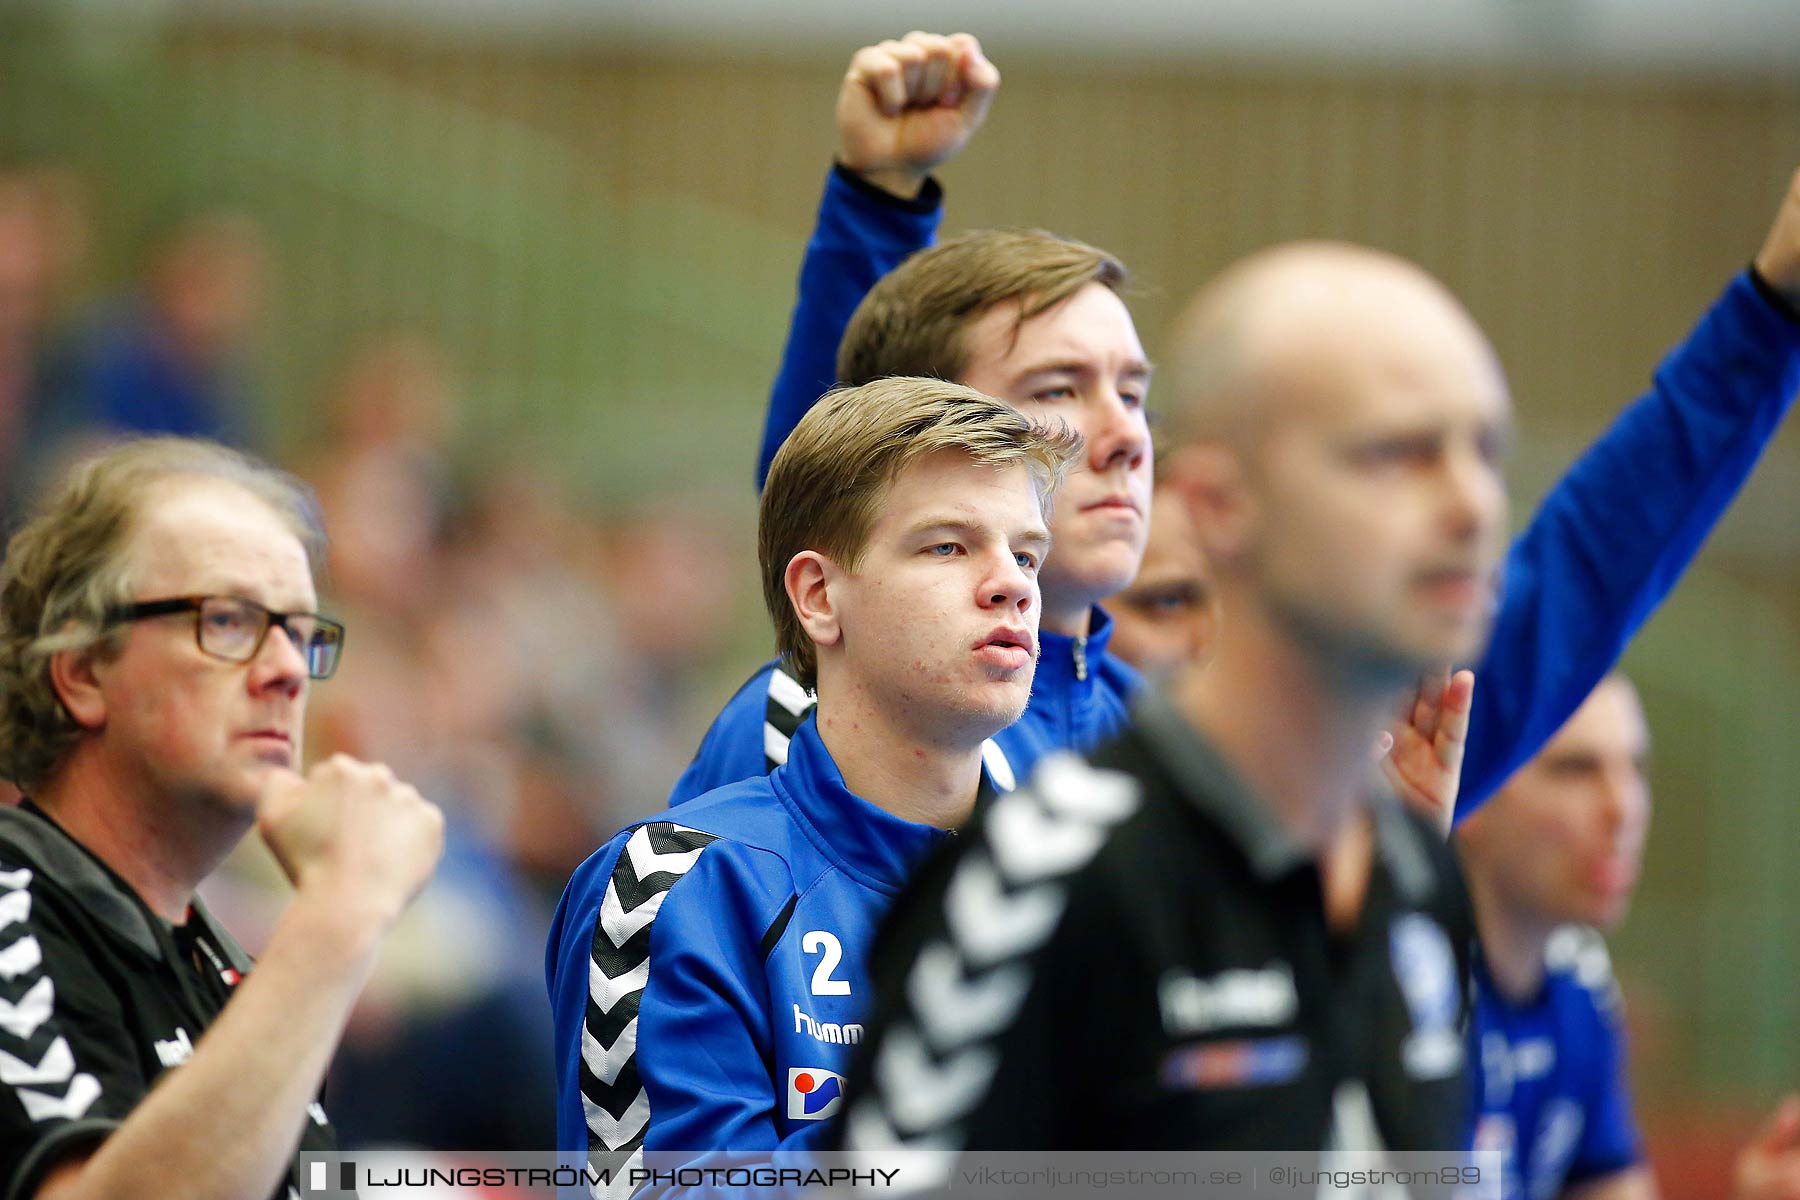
x,y
98,997
1132,954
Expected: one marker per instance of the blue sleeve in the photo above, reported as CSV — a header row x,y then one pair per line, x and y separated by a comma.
x,y
1609,1137
566,970
861,235
733,748
704,1041
1615,533
661,1007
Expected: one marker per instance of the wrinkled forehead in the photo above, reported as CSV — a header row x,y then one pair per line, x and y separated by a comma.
x,y
202,536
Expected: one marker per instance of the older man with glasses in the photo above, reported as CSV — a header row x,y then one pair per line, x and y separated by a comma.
x,y
151,718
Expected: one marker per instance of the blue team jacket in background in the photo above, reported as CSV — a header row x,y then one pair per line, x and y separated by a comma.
x,y
1549,1074
707,967
1601,552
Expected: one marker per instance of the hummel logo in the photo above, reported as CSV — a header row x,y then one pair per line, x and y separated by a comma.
x,y
827,1031
176,1050
1231,998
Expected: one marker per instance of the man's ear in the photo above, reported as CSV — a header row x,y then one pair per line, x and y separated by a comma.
x,y
809,578
1211,479
74,675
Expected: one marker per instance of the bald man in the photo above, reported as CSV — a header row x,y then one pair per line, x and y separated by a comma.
x,y
1247,951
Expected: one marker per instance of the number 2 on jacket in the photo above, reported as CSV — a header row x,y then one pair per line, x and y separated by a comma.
x,y
817,941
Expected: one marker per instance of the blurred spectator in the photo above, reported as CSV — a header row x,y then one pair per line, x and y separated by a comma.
x,y
383,471
532,671
43,239
170,357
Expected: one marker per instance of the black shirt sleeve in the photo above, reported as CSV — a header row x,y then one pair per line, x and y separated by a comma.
x,y
69,1070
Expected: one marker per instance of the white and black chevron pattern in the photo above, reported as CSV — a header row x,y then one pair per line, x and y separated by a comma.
x,y
789,702
1002,903
612,1093
40,1068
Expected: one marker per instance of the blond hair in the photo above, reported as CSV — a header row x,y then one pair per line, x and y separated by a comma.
x,y
66,567
829,479
913,320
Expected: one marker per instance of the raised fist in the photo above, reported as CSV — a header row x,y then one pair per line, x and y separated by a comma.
x,y
352,829
1779,259
907,107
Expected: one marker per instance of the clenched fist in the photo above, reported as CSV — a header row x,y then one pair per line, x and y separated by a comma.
x,y
353,830
1779,259
908,107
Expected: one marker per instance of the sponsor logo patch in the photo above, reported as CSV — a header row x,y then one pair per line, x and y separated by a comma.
x,y
813,1093
1240,1062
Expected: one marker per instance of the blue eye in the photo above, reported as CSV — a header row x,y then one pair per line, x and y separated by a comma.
x,y
1026,560
227,620
943,549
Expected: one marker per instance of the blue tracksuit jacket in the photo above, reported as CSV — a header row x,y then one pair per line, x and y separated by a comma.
x,y
1602,550
706,966
1549,1075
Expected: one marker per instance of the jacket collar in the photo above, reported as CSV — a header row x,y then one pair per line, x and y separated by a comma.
x,y
1066,662
870,843
100,890
1212,785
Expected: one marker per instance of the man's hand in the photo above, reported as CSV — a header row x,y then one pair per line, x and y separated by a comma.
x,y
1778,262
1423,751
1768,1168
355,831
908,107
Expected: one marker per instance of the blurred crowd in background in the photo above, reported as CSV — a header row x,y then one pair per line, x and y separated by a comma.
x,y
530,665
511,301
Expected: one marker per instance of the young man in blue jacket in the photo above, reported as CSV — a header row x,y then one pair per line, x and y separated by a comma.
x,y
1602,550
706,967
1552,862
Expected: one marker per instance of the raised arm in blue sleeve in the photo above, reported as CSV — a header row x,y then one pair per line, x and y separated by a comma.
x,y
1615,533
862,234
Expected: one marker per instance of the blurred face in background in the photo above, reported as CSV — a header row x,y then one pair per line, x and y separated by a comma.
x,y
1564,840
25,264
43,240
209,282
1169,615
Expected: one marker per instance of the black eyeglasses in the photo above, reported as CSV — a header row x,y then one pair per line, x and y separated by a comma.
x,y
234,629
